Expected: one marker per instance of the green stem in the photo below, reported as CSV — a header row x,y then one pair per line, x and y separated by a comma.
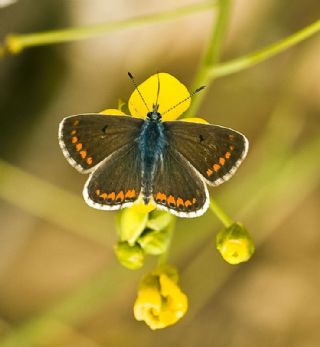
x,y
15,43
263,54
212,54
217,210
50,325
203,78
163,258
49,202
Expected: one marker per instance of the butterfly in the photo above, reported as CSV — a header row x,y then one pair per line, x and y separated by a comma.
x,y
167,162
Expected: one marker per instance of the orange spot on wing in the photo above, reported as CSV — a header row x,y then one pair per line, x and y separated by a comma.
x,y
112,196
171,200
194,200
227,155
89,160
130,194
74,139
120,196
216,167
104,196
180,202
98,191
231,148
76,122
209,172
73,132
222,161
78,146
161,197
187,203
83,154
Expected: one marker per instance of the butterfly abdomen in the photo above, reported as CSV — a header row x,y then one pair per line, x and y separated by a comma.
x,y
152,142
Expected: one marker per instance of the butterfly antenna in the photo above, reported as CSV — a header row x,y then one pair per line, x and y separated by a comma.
x,y
182,101
136,87
158,90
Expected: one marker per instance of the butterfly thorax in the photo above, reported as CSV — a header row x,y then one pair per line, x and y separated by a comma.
x,y
152,142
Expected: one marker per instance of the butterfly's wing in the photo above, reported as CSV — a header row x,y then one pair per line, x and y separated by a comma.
x,y
88,139
177,187
116,182
214,151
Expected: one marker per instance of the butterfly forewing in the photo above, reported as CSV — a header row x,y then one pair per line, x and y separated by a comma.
x,y
116,182
214,151
88,139
177,186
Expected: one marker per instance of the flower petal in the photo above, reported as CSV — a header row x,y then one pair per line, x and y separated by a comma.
x,y
141,207
171,93
194,120
177,301
160,301
112,112
149,299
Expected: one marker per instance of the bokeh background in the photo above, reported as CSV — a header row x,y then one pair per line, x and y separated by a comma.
x,y
60,284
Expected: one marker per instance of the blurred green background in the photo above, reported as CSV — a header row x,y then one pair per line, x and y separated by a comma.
x,y
60,284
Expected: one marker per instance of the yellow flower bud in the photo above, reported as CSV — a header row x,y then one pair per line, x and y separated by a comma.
x,y
158,220
13,44
132,257
160,301
154,242
235,244
131,225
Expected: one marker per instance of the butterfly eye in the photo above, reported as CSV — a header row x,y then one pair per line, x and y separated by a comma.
x,y
201,138
104,129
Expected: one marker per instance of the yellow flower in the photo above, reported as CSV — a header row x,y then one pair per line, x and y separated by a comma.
x,y
171,93
235,244
160,301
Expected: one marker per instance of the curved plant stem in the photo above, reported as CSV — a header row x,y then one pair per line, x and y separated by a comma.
x,y
263,54
49,202
51,324
211,56
16,43
203,77
218,211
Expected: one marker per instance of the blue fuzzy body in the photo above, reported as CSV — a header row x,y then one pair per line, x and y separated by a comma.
x,y
152,143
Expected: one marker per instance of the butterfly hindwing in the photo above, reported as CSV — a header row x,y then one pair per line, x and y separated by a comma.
x,y
177,186
116,182
214,151
87,139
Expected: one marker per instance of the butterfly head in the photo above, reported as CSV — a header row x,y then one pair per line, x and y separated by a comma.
x,y
154,115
